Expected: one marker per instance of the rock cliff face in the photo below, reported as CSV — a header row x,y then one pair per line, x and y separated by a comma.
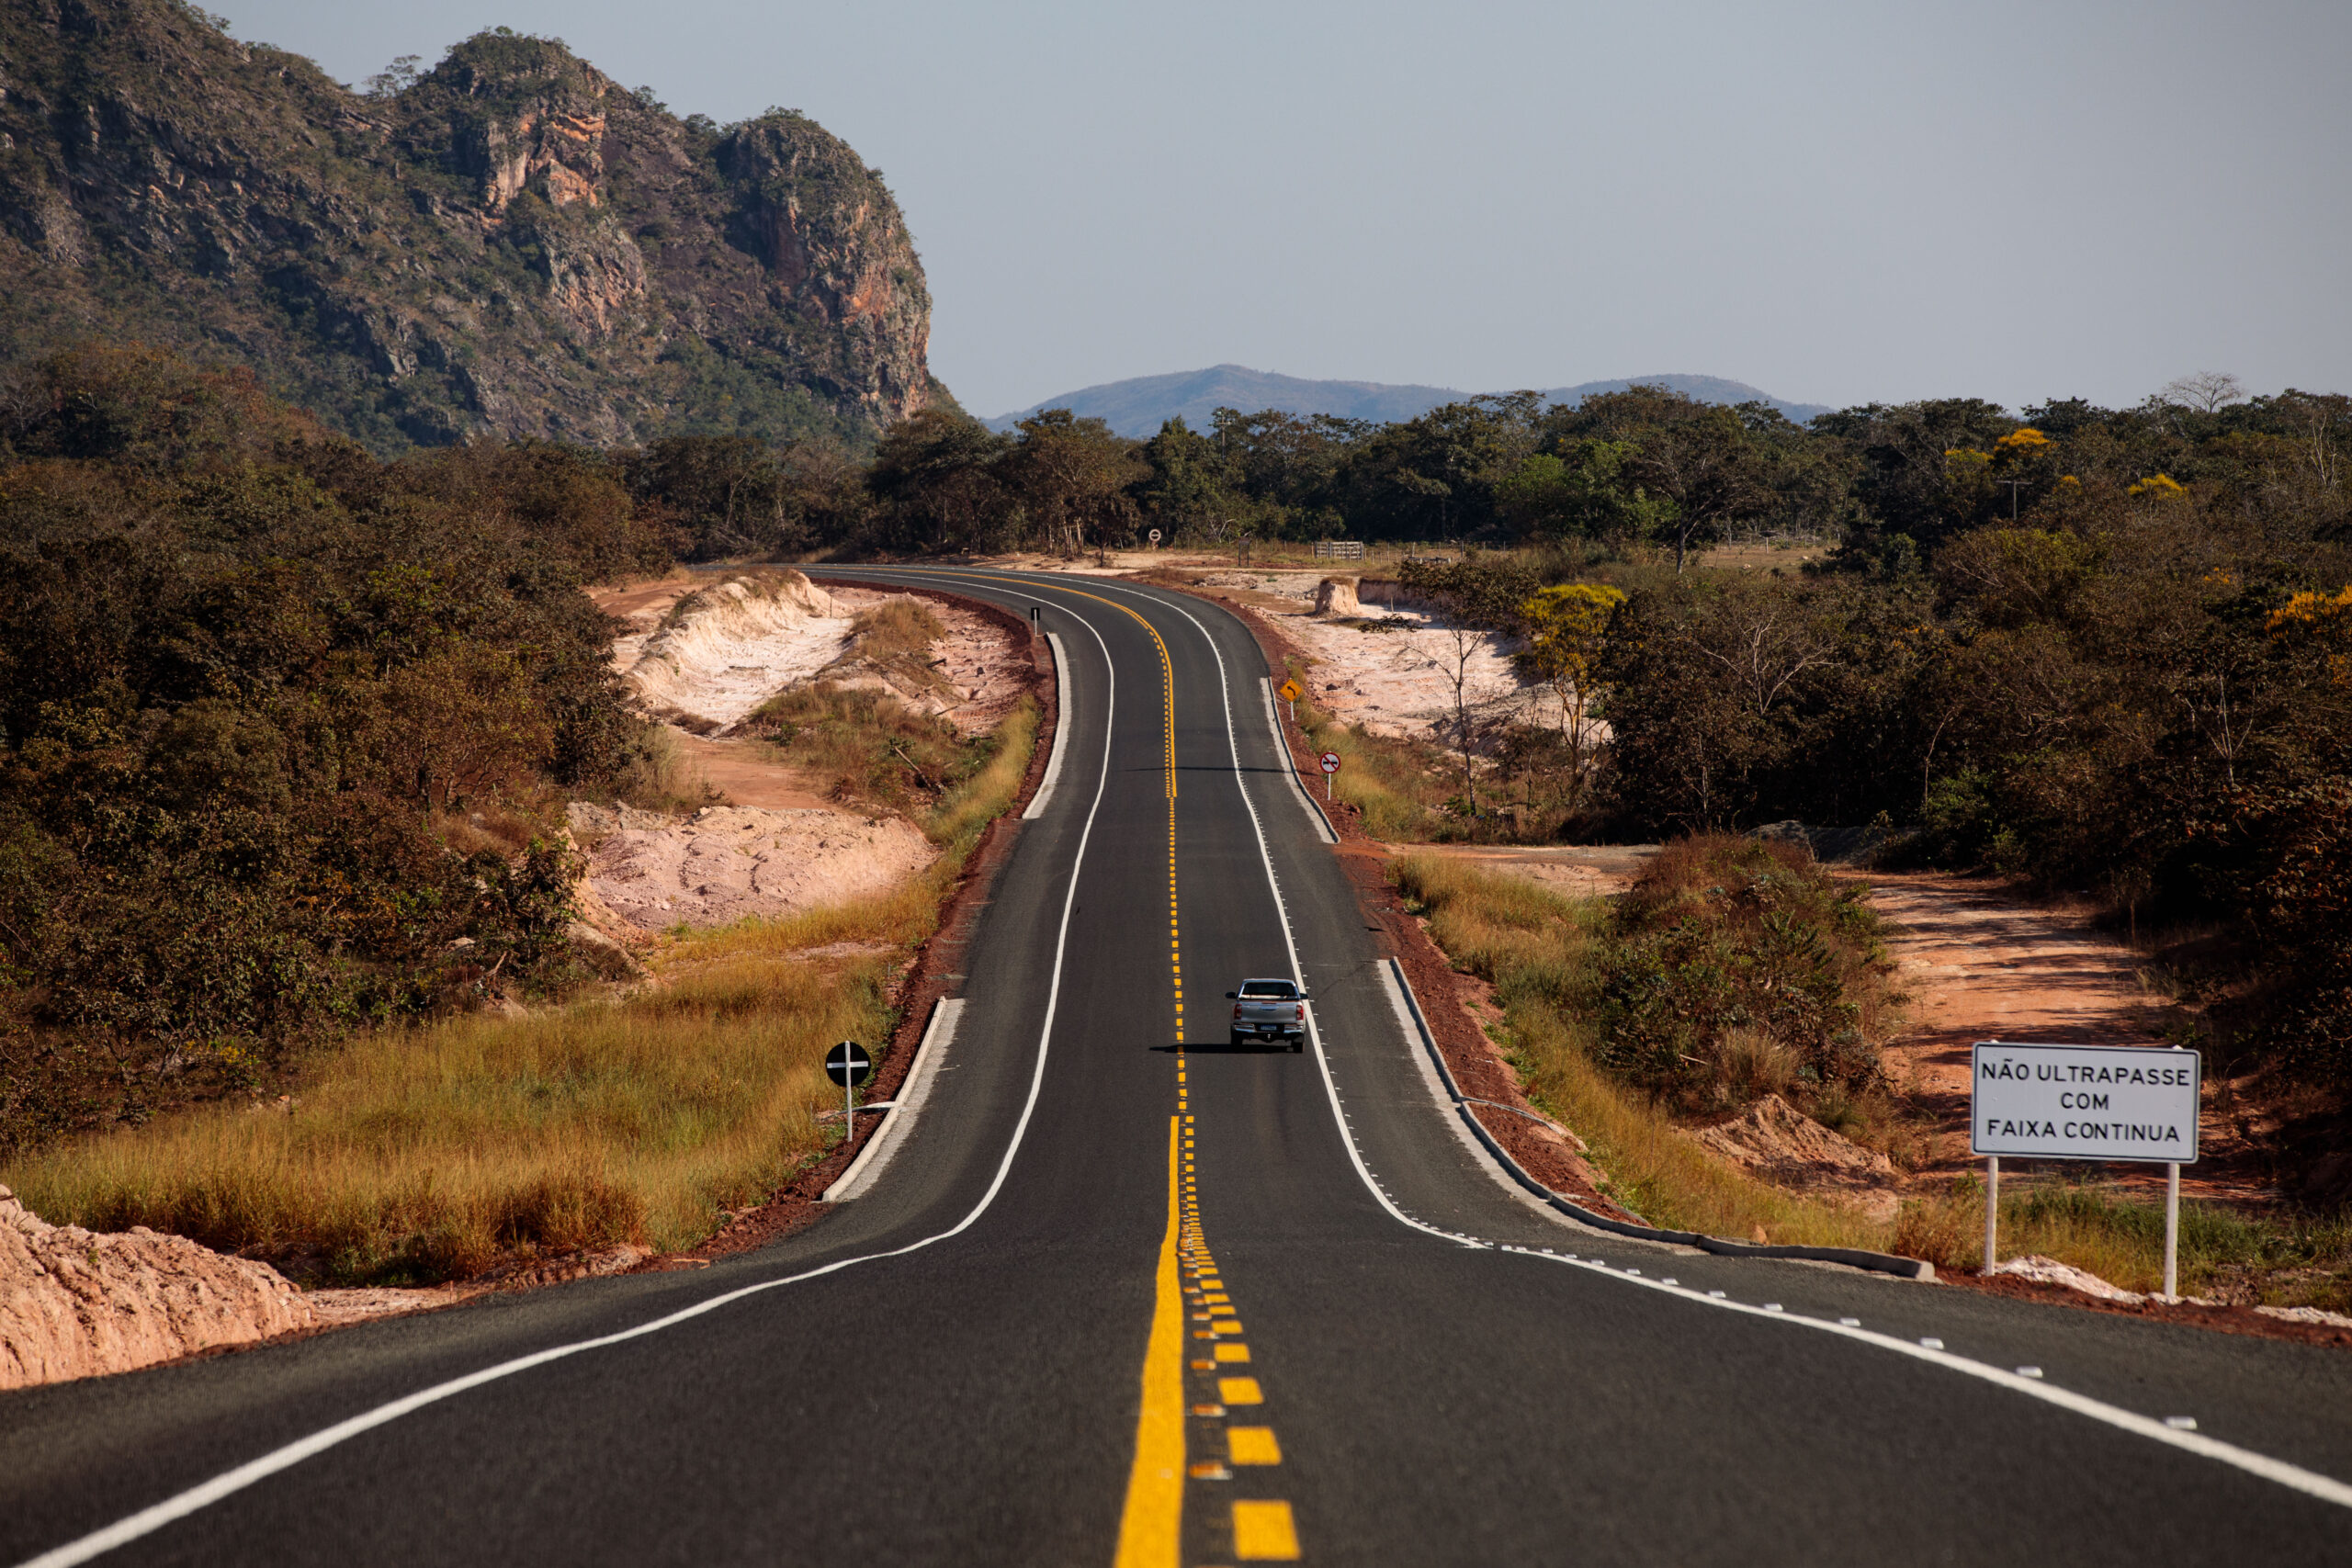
x,y
511,244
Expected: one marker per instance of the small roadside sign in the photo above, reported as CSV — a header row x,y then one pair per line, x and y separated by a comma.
x,y
2083,1102
1330,761
1288,690
2118,1102
1155,536
847,1064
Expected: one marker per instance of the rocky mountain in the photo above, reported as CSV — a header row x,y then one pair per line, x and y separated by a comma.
x,y
510,242
1138,407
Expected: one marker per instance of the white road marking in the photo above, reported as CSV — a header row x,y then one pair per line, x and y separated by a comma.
x,y
1305,801
181,1505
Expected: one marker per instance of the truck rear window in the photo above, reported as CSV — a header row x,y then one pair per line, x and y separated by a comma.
x,y
1280,988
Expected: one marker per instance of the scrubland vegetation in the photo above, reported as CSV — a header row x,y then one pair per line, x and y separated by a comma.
x,y
430,1152
1583,985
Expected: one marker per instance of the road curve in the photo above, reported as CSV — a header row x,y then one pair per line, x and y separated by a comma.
x,y
1126,1295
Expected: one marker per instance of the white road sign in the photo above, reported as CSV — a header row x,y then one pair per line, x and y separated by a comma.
x,y
2083,1102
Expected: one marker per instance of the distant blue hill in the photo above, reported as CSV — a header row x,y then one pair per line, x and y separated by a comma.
x,y
1139,406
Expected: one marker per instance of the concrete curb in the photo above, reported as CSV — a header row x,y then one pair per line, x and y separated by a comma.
x,y
875,1156
1305,795
1061,732
1852,1258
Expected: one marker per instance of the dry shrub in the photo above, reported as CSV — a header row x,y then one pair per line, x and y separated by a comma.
x,y
895,628
660,777
1750,1063
1541,952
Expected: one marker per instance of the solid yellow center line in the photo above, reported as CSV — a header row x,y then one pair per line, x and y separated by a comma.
x,y
1149,1525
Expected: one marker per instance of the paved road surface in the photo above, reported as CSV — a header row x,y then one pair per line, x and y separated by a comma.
x,y
1054,1330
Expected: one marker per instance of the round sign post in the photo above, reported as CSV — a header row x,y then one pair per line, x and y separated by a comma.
x,y
848,1065
1330,761
1155,538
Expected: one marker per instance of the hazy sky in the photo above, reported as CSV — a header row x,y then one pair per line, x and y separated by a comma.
x,y
1835,202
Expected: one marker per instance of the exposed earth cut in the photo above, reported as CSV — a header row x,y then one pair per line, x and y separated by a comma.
x,y
75,1303
703,651
730,863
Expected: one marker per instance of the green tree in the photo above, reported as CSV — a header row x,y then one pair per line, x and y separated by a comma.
x,y
1071,476
1567,626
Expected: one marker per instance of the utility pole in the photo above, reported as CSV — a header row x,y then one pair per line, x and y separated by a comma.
x,y
2013,486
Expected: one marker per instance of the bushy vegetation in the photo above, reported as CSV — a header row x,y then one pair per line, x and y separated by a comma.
x,y
284,730
1554,961
1738,967
424,1154
1548,957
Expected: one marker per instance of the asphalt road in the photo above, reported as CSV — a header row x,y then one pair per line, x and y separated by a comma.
x,y
1055,1332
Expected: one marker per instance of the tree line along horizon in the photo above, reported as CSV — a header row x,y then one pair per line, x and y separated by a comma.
x,y
282,720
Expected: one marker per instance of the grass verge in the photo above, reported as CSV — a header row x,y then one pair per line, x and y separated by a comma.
x,y
428,1153
1548,958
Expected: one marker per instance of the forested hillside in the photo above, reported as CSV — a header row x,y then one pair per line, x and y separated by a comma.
x,y
285,732
508,243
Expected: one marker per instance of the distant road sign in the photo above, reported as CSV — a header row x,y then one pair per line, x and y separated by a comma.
x,y
847,1064
1289,692
1155,536
2083,1103
1330,761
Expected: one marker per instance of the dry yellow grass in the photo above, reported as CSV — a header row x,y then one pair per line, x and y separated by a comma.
x,y
1540,951
428,1153
1536,948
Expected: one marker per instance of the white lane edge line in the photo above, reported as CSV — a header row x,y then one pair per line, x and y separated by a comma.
x,y
1061,732
181,1505
1451,1114
2291,1476
2309,1483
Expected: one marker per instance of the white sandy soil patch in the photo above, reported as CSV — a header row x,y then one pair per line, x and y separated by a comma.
x,y
752,634
1573,871
730,863
1398,680
718,651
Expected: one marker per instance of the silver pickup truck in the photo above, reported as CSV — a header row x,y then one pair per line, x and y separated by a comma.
x,y
1268,1009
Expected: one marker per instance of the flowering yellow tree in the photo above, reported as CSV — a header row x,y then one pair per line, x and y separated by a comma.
x,y
1565,627
2322,618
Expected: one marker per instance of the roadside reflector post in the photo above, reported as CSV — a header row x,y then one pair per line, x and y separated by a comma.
x,y
2172,1233
1992,1209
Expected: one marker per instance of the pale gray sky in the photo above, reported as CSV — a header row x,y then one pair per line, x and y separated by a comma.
x,y
1837,202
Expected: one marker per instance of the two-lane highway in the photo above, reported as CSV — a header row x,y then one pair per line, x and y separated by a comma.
x,y
1126,1295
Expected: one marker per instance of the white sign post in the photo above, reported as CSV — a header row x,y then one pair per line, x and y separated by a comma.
x,y
1330,761
2084,1102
